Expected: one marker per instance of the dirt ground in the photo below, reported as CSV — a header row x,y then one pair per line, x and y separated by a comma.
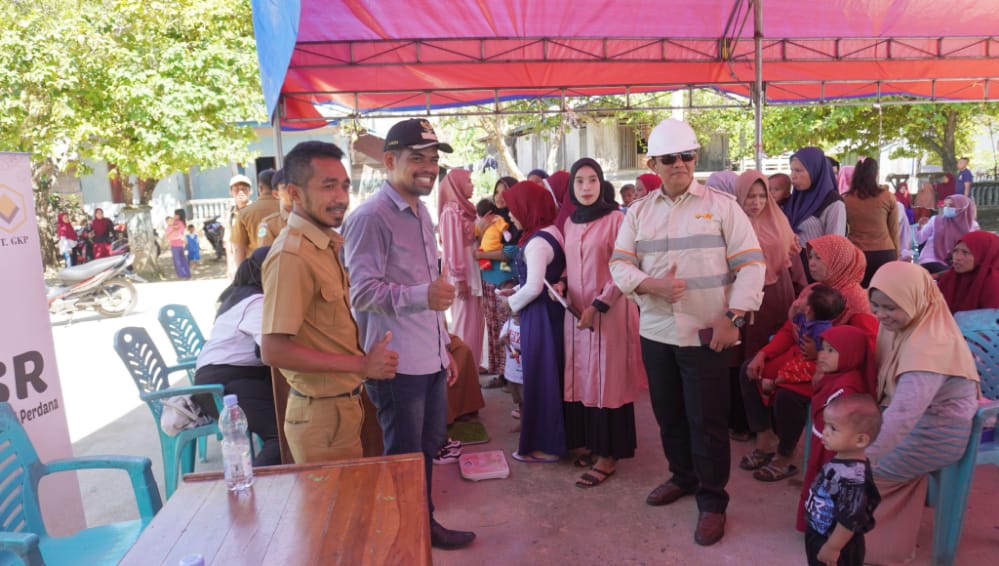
x,y
207,268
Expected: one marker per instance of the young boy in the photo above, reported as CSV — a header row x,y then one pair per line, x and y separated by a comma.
x,y
842,499
628,194
193,245
510,338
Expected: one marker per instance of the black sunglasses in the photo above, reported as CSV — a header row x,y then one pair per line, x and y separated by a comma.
x,y
670,159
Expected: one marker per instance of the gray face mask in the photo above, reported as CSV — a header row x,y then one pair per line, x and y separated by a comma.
x,y
949,212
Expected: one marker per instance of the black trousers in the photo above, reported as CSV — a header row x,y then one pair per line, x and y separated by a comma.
x,y
252,386
851,555
874,261
786,417
689,390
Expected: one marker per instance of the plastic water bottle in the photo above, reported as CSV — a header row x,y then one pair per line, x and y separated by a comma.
x,y
235,446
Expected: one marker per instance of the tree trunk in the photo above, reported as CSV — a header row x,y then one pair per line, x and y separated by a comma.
x,y
552,162
142,241
949,154
42,176
493,125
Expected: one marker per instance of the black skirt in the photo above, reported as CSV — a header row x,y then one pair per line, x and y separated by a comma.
x,y
605,432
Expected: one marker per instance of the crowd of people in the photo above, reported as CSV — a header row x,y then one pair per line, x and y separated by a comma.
x,y
746,306
93,240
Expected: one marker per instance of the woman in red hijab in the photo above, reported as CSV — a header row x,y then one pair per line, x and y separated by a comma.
x,y
542,428
101,229
646,183
558,183
973,280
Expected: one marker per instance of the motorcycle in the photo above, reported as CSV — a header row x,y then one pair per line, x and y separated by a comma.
x,y
215,232
104,285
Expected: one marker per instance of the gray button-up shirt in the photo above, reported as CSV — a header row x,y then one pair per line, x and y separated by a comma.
x,y
391,255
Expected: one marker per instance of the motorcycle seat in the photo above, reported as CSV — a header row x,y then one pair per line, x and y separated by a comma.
x,y
91,268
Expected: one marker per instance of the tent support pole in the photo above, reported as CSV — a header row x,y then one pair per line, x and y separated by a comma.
x,y
278,146
758,82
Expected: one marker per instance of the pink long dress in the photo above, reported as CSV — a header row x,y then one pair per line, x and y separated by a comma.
x,y
457,231
603,368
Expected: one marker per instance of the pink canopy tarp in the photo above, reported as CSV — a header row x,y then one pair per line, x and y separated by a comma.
x,y
369,56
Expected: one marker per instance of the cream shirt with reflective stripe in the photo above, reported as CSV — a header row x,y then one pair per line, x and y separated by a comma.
x,y
708,237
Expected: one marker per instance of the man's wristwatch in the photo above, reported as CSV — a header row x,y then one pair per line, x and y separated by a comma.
x,y
738,321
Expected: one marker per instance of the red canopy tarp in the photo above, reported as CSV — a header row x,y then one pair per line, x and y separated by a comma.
x,y
390,55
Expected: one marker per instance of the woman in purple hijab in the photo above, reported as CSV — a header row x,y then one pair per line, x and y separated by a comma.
x,y
815,207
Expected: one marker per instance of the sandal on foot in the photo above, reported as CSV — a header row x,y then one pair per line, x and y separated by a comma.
x,y
756,459
585,461
772,473
535,458
593,478
495,383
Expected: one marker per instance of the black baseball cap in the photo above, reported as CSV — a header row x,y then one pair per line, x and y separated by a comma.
x,y
416,133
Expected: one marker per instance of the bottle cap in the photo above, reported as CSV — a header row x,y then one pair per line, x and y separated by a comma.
x,y
229,400
192,560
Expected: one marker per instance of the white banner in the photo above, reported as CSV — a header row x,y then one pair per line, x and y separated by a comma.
x,y
29,379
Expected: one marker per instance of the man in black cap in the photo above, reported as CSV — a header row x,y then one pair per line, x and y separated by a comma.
x,y
396,286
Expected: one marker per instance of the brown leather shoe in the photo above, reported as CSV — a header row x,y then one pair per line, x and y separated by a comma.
x,y
667,493
710,528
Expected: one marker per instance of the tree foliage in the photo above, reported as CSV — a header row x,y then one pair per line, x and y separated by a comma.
x,y
937,133
153,87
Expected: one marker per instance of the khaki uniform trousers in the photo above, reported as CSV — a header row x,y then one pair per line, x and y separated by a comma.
x,y
324,429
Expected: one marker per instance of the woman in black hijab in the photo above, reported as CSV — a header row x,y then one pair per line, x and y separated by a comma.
x,y
231,357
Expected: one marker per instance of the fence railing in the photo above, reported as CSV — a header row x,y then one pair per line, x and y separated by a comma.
x,y
205,208
985,193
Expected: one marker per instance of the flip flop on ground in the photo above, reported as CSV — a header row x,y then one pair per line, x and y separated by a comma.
x,y
535,458
772,472
593,478
585,460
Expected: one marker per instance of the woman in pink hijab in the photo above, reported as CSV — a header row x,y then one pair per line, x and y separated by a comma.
x,y
456,222
844,178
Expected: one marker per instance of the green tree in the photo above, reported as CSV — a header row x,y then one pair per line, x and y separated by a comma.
x,y
942,132
153,87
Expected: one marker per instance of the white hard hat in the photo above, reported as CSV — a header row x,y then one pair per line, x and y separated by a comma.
x,y
672,136
240,179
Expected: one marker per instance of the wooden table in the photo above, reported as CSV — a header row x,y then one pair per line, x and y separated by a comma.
x,y
364,511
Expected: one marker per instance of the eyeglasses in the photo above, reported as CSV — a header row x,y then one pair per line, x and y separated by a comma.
x,y
686,157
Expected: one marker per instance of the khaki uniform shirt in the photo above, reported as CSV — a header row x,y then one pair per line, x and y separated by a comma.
x,y
271,226
306,295
246,227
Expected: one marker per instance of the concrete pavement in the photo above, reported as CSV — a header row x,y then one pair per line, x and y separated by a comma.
x,y
537,515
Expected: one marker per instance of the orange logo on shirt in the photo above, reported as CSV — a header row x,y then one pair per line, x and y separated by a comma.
x,y
704,215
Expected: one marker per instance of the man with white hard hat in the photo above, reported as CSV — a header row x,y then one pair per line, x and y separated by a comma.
x,y
689,257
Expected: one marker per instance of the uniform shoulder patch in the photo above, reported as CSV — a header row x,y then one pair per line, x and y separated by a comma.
x,y
292,242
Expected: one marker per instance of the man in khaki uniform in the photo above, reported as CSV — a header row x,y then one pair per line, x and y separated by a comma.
x,y
272,224
239,188
308,329
246,228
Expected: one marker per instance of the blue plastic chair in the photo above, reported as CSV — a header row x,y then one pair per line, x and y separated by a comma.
x,y
151,375
23,538
187,341
184,333
949,487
